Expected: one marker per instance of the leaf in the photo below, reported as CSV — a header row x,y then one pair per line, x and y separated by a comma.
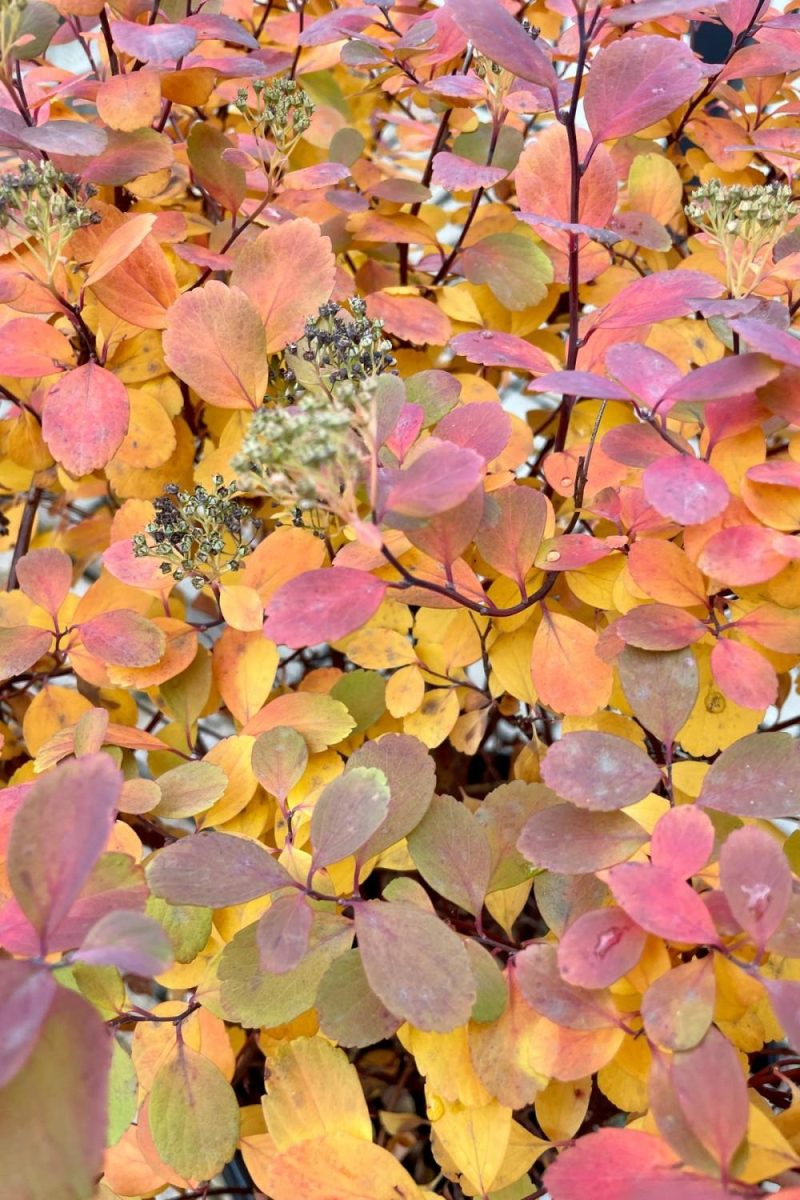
x,y
455,173
349,1011
611,1164
566,839
546,991
658,297
511,531
319,719
758,776
744,675
441,477
514,267
724,379
60,1155
599,771
129,102
678,1007
20,647
494,349
451,852
193,1115
26,996
224,181
279,759
31,348
659,627
267,271
346,814
662,903
335,1167
685,489
85,418
322,606
126,238
415,965
482,427
283,933
411,318
214,870
123,638
634,83
661,688
45,576
682,841
410,773
756,878
215,342
567,673
189,789
492,30
313,1090
712,1093
579,383
784,995
599,948
130,941
59,831
666,573
158,43
745,554
475,1141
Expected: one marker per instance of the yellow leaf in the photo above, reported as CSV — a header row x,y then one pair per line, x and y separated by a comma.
x,y
318,718
715,721
379,649
561,1107
444,1060
475,1141
313,1090
335,1167
435,717
244,670
405,691
233,756
768,1152
242,608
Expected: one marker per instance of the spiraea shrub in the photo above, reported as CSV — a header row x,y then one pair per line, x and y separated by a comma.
x,y
399,500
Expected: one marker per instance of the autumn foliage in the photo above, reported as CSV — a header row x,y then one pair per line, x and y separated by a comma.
x,y
400,499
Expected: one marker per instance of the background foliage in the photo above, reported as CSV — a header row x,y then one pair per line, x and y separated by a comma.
x,y
401,487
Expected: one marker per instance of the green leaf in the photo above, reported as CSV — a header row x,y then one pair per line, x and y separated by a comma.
x,y
363,694
347,813
514,267
349,1011
492,994
194,1116
188,926
122,1093
451,852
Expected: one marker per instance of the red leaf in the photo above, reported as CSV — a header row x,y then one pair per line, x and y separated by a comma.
x,y
712,1093
438,478
600,947
482,427
123,638
685,489
658,297
757,881
569,841
158,43
536,970
635,82
322,606
758,776
492,30
612,1164
58,833
26,993
45,576
599,771
579,383
20,647
659,627
492,349
744,675
662,903
85,418
682,841
31,348
721,380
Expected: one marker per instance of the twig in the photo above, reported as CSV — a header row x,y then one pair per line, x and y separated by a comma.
x,y
32,502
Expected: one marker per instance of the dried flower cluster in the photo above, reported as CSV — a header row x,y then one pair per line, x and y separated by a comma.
x,y
745,221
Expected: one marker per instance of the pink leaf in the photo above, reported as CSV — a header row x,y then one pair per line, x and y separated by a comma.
x,y
492,30
743,554
158,43
579,383
599,771
744,675
635,82
721,380
777,343
26,993
571,551
758,776
457,174
685,489
58,833
440,477
322,606
682,841
85,418
644,372
536,971
659,627
755,876
129,941
45,576
612,1164
658,297
215,869
123,638
20,647
514,520
662,903
569,841
599,948
492,349
484,427
31,348
711,1090
784,996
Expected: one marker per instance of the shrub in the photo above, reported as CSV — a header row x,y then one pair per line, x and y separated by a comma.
x,y
401,488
